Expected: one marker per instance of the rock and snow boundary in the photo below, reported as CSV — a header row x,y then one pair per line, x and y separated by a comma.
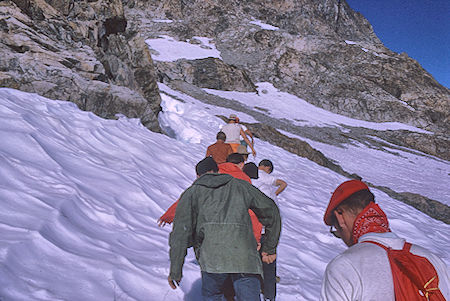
x,y
80,197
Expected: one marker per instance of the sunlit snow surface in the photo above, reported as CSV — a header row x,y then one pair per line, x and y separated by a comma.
x,y
279,104
80,196
167,49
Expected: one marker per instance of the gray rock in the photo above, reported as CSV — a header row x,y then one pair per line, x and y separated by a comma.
x,y
209,73
79,51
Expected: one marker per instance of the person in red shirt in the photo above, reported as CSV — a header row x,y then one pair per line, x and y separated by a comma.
x,y
220,150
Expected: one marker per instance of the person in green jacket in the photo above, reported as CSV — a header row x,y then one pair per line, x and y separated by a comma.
x,y
212,216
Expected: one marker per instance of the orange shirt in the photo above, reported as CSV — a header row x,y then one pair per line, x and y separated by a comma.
x,y
219,151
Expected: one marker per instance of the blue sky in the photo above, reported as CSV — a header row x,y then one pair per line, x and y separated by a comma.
x,y
421,28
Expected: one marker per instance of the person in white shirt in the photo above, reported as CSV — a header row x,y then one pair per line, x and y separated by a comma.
x,y
272,187
268,183
363,271
234,132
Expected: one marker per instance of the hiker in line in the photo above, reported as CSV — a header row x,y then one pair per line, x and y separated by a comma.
x,y
267,183
212,216
247,132
234,132
220,150
272,187
364,272
251,170
233,167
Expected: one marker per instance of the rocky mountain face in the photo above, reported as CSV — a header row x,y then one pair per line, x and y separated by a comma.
x,y
79,51
322,51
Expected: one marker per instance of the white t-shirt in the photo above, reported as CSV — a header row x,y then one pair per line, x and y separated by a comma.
x,y
266,183
233,132
363,272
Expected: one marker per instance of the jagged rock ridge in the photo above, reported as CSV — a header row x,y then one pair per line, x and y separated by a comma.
x,y
323,51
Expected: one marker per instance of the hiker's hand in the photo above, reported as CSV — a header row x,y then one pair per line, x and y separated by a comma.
x,y
268,258
165,219
173,283
162,223
258,247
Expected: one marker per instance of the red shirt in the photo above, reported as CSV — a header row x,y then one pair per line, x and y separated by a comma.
x,y
219,151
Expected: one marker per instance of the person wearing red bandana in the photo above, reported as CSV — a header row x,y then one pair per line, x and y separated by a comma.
x,y
363,271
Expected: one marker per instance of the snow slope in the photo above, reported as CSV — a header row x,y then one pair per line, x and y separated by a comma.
x,y
400,170
80,196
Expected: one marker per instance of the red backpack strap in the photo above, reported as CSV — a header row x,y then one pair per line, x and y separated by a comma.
x,y
407,247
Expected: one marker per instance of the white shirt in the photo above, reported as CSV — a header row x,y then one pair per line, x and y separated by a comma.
x,y
363,273
266,183
233,132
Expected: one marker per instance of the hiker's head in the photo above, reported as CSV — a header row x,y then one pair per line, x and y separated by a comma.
x,y
233,118
266,165
206,165
237,159
221,136
347,201
251,170
243,151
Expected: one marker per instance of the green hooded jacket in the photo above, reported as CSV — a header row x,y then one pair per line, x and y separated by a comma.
x,y
212,216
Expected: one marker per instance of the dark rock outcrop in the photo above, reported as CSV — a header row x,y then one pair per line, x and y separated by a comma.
x,y
209,73
79,51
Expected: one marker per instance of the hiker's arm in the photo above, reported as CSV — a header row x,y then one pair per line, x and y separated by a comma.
x,y
256,226
181,237
281,186
248,142
168,216
268,214
250,135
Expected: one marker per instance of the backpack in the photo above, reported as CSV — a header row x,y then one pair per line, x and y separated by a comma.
x,y
415,278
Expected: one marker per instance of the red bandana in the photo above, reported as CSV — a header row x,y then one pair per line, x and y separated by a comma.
x,y
371,219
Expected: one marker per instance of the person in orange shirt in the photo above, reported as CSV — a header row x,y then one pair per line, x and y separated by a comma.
x,y
220,150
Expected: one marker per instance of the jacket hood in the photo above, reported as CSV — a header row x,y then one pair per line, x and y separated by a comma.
x,y
213,180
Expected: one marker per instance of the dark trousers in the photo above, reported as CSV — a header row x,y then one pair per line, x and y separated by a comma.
x,y
246,286
270,281
270,278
